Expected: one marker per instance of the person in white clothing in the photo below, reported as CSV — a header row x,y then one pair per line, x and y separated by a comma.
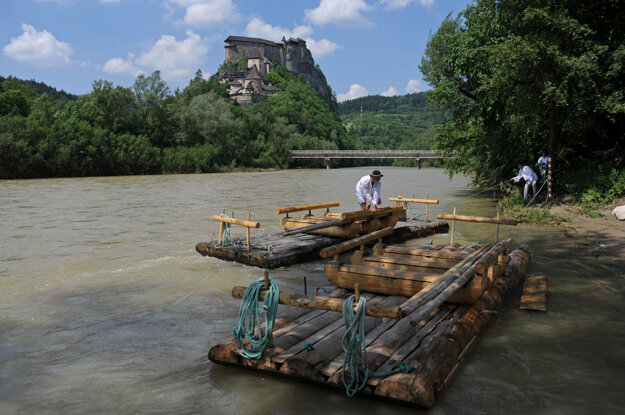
x,y
526,173
368,191
543,161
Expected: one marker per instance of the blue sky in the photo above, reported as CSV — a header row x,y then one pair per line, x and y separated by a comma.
x,y
364,47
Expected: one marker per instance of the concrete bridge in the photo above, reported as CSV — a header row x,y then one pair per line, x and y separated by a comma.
x,y
328,155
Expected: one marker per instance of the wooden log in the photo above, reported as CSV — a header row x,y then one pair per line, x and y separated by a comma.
x,y
440,353
241,222
355,242
362,214
423,252
323,303
412,302
477,219
534,295
491,256
295,226
302,208
394,282
407,262
407,200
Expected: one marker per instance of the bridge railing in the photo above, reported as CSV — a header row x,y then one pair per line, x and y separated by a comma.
x,y
364,154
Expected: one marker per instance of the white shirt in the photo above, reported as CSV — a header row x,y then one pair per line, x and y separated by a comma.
x,y
543,160
526,173
368,192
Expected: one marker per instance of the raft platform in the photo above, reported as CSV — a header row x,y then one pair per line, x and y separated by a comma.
x,y
272,251
307,343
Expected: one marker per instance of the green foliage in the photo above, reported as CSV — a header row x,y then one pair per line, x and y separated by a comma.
x,y
517,77
403,122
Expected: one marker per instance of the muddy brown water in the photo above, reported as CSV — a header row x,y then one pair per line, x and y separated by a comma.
x,y
106,308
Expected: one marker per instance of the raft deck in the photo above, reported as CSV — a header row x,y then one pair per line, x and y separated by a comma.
x,y
307,344
272,251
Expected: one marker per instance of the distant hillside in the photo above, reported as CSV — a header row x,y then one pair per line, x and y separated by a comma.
x,y
33,88
400,122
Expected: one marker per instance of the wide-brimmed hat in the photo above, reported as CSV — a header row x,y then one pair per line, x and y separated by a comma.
x,y
376,173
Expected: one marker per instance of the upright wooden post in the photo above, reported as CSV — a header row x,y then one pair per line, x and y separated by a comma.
x,y
221,226
356,293
266,276
249,216
453,228
497,229
427,208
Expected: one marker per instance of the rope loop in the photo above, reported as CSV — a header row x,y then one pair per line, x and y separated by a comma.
x,y
249,323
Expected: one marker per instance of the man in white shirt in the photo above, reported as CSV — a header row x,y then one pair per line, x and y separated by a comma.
x,y
543,161
368,191
526,173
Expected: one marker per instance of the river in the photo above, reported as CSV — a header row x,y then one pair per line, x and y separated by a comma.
x,y
106,307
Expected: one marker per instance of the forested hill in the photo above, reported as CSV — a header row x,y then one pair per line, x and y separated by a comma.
x,y
399,122
32,88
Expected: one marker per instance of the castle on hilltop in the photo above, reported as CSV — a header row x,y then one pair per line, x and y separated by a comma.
x,y
246,84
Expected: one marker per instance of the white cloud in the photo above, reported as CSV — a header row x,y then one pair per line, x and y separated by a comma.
x,y
319,48
210,13
414,85
340,13
391,92
402,4
175,59
38,48
355,91
121,66
258,28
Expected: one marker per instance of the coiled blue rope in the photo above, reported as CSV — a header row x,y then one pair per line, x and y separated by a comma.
x,y
355,367
249,323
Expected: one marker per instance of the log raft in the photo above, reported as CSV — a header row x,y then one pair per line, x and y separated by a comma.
x,y
433,343
272,251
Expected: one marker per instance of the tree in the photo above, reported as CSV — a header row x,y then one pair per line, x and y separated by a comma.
x,y
520,76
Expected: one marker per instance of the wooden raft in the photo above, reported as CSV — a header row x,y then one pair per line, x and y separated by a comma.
x,y
272,251
307,344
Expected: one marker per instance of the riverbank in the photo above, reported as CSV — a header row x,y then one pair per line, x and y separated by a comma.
x,y
602,237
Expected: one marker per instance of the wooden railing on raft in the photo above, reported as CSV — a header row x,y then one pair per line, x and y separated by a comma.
x,y
478,219
320,303
308,208
403,201
241,222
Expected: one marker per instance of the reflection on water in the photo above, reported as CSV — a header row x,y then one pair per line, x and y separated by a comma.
x,y
105,307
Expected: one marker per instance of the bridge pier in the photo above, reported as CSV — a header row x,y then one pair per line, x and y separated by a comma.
x,y
328,163
418,162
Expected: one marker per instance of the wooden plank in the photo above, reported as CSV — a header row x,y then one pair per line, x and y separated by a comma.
x,y
302,208
534,295
409,261
424,252
333,365
327,345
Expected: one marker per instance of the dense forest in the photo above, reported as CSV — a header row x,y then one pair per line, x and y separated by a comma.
x,y
400,122
148,129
